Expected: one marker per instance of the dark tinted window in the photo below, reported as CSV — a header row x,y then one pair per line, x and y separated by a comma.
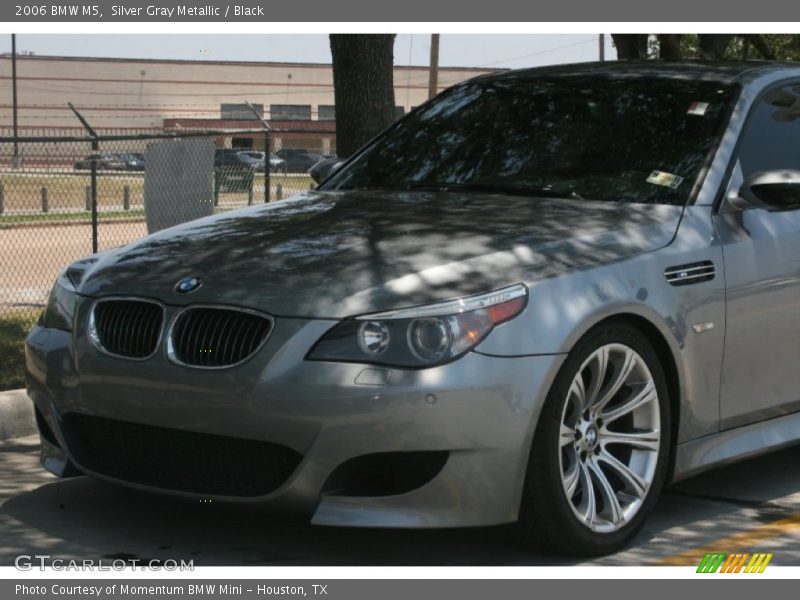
x,y
326,112
241,112
290,112
772,137
636,140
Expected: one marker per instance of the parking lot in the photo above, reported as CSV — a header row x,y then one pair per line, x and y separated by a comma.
x,y
753,506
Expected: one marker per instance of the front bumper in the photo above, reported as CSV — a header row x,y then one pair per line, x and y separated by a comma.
x,y
479,412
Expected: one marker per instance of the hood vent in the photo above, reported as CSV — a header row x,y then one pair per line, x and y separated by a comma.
x,y
690,273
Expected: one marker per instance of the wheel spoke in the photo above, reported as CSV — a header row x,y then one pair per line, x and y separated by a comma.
x,y
641,440
567,435
590,510
634,484
620,378
611,505
571,479
578,390
646,395
597,369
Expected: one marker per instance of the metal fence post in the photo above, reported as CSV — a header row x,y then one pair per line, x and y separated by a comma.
x,y
95,148
266,127
2,199
279,192
126,197
266,166
45,202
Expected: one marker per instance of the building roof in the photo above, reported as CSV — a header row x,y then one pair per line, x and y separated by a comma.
x,y
240,63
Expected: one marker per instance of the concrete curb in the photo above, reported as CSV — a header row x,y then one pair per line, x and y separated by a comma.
x,y
16,415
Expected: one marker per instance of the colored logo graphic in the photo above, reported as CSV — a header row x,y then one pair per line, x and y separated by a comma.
x,y
188,284
719,562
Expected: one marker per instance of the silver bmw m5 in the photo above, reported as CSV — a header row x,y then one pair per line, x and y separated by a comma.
x,y
538,298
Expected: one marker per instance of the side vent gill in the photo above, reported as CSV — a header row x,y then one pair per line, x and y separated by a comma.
x,y
690,273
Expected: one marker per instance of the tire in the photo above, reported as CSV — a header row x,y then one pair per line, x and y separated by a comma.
x,y
551,520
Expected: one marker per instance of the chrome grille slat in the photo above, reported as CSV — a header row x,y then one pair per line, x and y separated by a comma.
x,y
214,337
675,271
239,343
127,327
208,347
194,329
690,273
116,331
113,321
225,356
139,330
242,339
127,342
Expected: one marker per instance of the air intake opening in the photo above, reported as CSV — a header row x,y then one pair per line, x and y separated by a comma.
x,y
385,473
174,459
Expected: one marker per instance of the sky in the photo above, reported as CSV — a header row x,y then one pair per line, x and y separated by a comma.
x,y
455,50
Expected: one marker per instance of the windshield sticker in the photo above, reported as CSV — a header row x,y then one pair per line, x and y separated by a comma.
x,y
666,179
697,109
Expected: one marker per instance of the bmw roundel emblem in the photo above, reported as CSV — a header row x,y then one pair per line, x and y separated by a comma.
x,y
188,285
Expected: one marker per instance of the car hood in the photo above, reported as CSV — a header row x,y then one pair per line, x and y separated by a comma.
x,y
334,254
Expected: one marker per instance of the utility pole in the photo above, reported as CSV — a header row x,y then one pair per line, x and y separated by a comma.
x,y
602,46
15,158
433,74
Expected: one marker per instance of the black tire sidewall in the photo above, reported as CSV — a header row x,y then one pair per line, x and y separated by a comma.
x,y
575,537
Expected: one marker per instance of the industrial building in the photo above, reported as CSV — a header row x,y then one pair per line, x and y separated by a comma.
x,y
156,95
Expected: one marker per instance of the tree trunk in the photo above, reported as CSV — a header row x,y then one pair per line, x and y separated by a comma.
x,y
669,46
713,46
630,46
760,44
363,84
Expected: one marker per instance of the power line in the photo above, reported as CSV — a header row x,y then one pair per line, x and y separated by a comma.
x,y
539,53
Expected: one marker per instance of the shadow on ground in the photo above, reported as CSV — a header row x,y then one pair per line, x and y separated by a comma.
x,y
83,518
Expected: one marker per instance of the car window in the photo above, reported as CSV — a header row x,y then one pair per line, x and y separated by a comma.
x,y
771,139
611,139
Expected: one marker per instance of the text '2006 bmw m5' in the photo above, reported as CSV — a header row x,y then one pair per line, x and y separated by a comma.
x,y
538,298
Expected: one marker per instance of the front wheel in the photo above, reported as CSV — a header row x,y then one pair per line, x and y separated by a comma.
x,y
600,452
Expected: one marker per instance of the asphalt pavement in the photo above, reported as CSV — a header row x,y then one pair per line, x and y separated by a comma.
x,y
752,506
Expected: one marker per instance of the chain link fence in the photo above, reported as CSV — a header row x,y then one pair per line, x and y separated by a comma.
x,y
63,197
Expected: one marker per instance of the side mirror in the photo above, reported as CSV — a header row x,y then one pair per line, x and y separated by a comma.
x,y
773,190
324,169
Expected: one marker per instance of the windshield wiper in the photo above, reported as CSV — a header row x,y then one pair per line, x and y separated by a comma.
x,y
499,188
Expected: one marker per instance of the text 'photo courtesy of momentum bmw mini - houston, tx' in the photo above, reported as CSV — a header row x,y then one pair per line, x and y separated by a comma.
x,y
536,299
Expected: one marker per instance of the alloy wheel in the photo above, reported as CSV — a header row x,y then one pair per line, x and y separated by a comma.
x,y
609,438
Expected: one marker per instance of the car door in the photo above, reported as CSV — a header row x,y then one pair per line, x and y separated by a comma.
x,y
761,249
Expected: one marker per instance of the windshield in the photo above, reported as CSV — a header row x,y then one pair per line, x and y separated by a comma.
x,y
625,140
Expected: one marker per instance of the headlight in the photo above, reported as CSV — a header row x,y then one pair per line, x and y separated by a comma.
x,y
60,310
423,336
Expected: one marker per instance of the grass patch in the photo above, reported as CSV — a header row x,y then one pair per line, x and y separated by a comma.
x,y
13,330
55,217
67,190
